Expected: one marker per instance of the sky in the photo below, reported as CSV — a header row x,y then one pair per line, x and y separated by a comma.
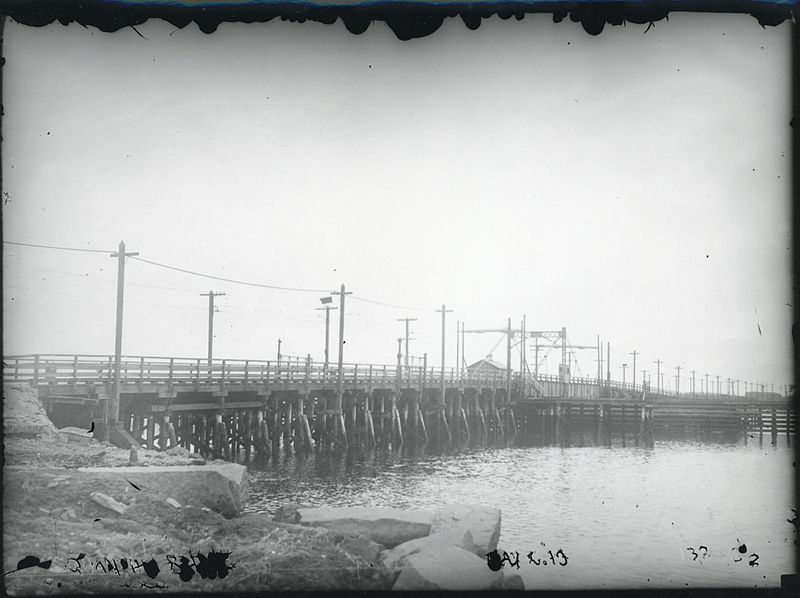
x,y
629,185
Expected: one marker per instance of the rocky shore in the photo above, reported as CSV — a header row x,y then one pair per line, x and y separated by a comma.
x,y
78,518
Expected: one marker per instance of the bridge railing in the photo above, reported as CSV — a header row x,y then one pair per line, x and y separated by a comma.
x,y
96,370
72,370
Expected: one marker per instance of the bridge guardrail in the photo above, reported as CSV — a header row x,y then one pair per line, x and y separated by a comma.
x,y
98,370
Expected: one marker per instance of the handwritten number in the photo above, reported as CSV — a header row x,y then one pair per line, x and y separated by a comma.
x,y
561,552
695,555
754,561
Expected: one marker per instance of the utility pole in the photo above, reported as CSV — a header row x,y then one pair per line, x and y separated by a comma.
x,y
463,364
693,373
279,353
523,347
210,295
443,311
634,367
624,366
508,363
599,360
678,381
399,376
608,361
339,379
737,386
112,413
717,386
407,320
707,391
328,307
658,363
458,351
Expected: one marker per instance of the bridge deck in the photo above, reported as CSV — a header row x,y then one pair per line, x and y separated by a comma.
x,y
92,376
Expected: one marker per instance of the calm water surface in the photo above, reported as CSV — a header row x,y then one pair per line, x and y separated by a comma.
x,y
623,517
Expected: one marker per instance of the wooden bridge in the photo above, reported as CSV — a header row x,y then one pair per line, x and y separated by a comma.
x,y
232,407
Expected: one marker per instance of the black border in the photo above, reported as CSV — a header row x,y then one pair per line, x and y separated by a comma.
x,y
414,19
407,19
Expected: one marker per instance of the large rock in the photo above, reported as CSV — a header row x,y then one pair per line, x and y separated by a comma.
x,y
24,415
448,568
77,435
221,487
482,522
394,558
389,527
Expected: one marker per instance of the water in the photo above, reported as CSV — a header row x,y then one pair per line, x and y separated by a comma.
x,y
624,518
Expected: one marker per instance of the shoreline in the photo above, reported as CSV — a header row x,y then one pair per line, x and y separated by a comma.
x,y
100,525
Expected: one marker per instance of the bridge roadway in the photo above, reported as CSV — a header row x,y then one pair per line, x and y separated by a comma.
x,y
89,378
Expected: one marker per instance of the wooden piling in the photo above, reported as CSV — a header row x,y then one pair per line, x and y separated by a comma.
x,y
774,426
151,431
321,421
600,432
382,421
370,424
404,414
234,432
217,449
209,426
288,423
277,420
558,424
483,431
423,428
248,434
137,427
201,442
397,429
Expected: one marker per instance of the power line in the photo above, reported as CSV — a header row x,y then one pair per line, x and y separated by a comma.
x,y
242,282
59,248
185,271
392,305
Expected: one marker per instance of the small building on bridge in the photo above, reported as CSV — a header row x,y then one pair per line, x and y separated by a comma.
x,y
486,366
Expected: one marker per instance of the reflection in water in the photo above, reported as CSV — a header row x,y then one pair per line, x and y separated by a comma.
x,y
624,517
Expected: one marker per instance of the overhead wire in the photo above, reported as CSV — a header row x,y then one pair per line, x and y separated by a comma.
x,y
231,280
221,278
58,247
365,300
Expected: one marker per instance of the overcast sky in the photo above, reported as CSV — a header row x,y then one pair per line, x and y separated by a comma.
x,y
628,185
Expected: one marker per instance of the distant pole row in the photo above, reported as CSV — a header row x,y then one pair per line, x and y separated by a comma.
x,y
112,413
